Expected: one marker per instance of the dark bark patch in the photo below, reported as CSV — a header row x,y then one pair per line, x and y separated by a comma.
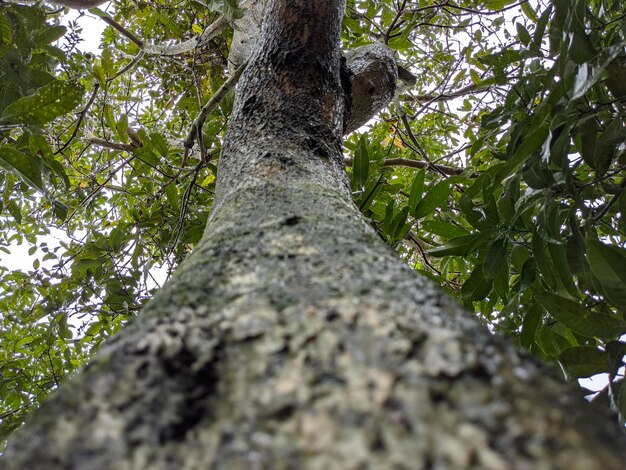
x,y
283,412
291,221
377,442
346,86
143,370
193,388
398,414
414,350
332,315
249,105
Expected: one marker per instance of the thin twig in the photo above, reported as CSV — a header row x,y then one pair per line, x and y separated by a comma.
x,y
112,145
123,31
417,145
81,118
99,188
127,67
390,162
433,97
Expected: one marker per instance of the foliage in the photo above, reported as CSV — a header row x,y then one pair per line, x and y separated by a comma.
x,y
499,173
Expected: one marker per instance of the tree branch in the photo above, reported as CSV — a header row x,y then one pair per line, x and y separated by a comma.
x,y
115,25
81,118
112,145
391,162
218,96
447,4
211,31
432,97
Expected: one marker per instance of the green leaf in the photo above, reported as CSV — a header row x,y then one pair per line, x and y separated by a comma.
x,y
495,258
47,103
443,229
6,31
51,34
559,258
580,320
501,282
26,167
583,361
523,34
398,225
15,211
417,188
476,287
530,12
541,27
435,197
81,266
60,210
495,5
528,274
389,210
532,143
459,246
550,342
519,255
531,322
590,72
93,329
361,165
608,263
616,351
230,10
543,262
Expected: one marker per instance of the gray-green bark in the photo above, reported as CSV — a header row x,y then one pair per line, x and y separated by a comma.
x,y
293,337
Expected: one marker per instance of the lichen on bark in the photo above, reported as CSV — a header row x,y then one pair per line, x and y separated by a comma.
x,y
293,337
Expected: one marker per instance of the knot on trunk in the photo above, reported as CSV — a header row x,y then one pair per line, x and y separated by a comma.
x,y
373,75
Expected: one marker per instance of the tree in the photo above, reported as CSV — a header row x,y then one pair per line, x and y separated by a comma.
x,y
291,334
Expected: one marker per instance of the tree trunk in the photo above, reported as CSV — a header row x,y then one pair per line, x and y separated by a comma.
x,y
293,337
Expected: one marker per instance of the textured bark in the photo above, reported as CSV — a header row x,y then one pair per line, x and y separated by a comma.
x,y
369,72
246,32
372,73
293,337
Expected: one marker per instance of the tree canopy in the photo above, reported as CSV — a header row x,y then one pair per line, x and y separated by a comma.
x,y
498,169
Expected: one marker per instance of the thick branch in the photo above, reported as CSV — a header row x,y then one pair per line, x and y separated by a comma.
x,y
211,31
373,74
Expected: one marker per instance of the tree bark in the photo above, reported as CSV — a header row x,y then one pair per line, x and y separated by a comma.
x,y
369,72
293,337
